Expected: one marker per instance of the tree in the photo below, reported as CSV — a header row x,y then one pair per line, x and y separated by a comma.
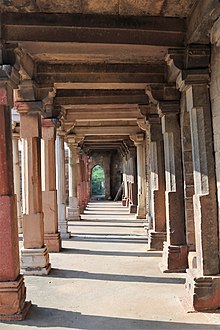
x,y
98,178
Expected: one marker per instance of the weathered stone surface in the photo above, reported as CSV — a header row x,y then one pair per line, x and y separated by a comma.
x,y
203,293
174,258
9,257
117,7
35,261
53,242
13,295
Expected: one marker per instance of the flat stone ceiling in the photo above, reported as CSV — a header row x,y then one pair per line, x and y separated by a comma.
x,y
171,8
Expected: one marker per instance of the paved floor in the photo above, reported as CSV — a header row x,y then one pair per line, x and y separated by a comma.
x,y
105,279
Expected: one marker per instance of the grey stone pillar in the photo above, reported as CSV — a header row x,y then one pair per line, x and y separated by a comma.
x,y
61,187
157,211
139,142
17,177
73,209
202,283
175,249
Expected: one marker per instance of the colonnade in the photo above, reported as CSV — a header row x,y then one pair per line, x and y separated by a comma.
x,y
169,177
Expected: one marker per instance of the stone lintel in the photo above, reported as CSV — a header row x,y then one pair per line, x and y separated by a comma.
x,y
13,306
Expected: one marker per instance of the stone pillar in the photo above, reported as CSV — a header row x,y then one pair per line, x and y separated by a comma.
x,y
73,209
202,284
49,193
133,205
139,143
34,254
188,179
125,198
12,287
61,187
157,212
175,249
17,178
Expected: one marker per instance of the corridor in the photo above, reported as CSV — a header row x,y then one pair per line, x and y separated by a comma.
x,y
105,279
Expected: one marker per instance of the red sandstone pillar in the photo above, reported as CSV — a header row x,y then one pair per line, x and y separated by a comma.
x,y
34,254
12,287
49,194
175,249
157,212
203,280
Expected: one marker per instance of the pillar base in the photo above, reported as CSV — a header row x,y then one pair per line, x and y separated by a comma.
x,y
53,242
156,240
35,261
63,229
124,202
203,292
174,259
141,212
73,214
133,209
12,300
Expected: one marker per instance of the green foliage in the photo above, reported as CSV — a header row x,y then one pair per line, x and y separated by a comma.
x,y
98,180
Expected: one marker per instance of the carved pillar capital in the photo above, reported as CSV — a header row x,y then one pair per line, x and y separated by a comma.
x,y
137,138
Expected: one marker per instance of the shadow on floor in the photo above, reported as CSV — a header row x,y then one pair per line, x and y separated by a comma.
x,y
68,273
40,317
99,219
139,236
108,240
103,226
111,253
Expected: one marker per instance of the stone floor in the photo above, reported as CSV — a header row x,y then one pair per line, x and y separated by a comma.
x,y
105,279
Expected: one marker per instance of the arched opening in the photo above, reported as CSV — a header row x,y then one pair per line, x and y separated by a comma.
x,y
98,181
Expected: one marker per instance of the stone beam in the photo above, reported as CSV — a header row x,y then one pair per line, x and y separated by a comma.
x,y
87,96
159,31
106,130
98,73
110,115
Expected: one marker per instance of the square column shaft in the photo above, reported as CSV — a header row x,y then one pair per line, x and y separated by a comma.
x,y
157,209
34,255
12,287
139,142
49,193
73,209
202,283
175,249
61,187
